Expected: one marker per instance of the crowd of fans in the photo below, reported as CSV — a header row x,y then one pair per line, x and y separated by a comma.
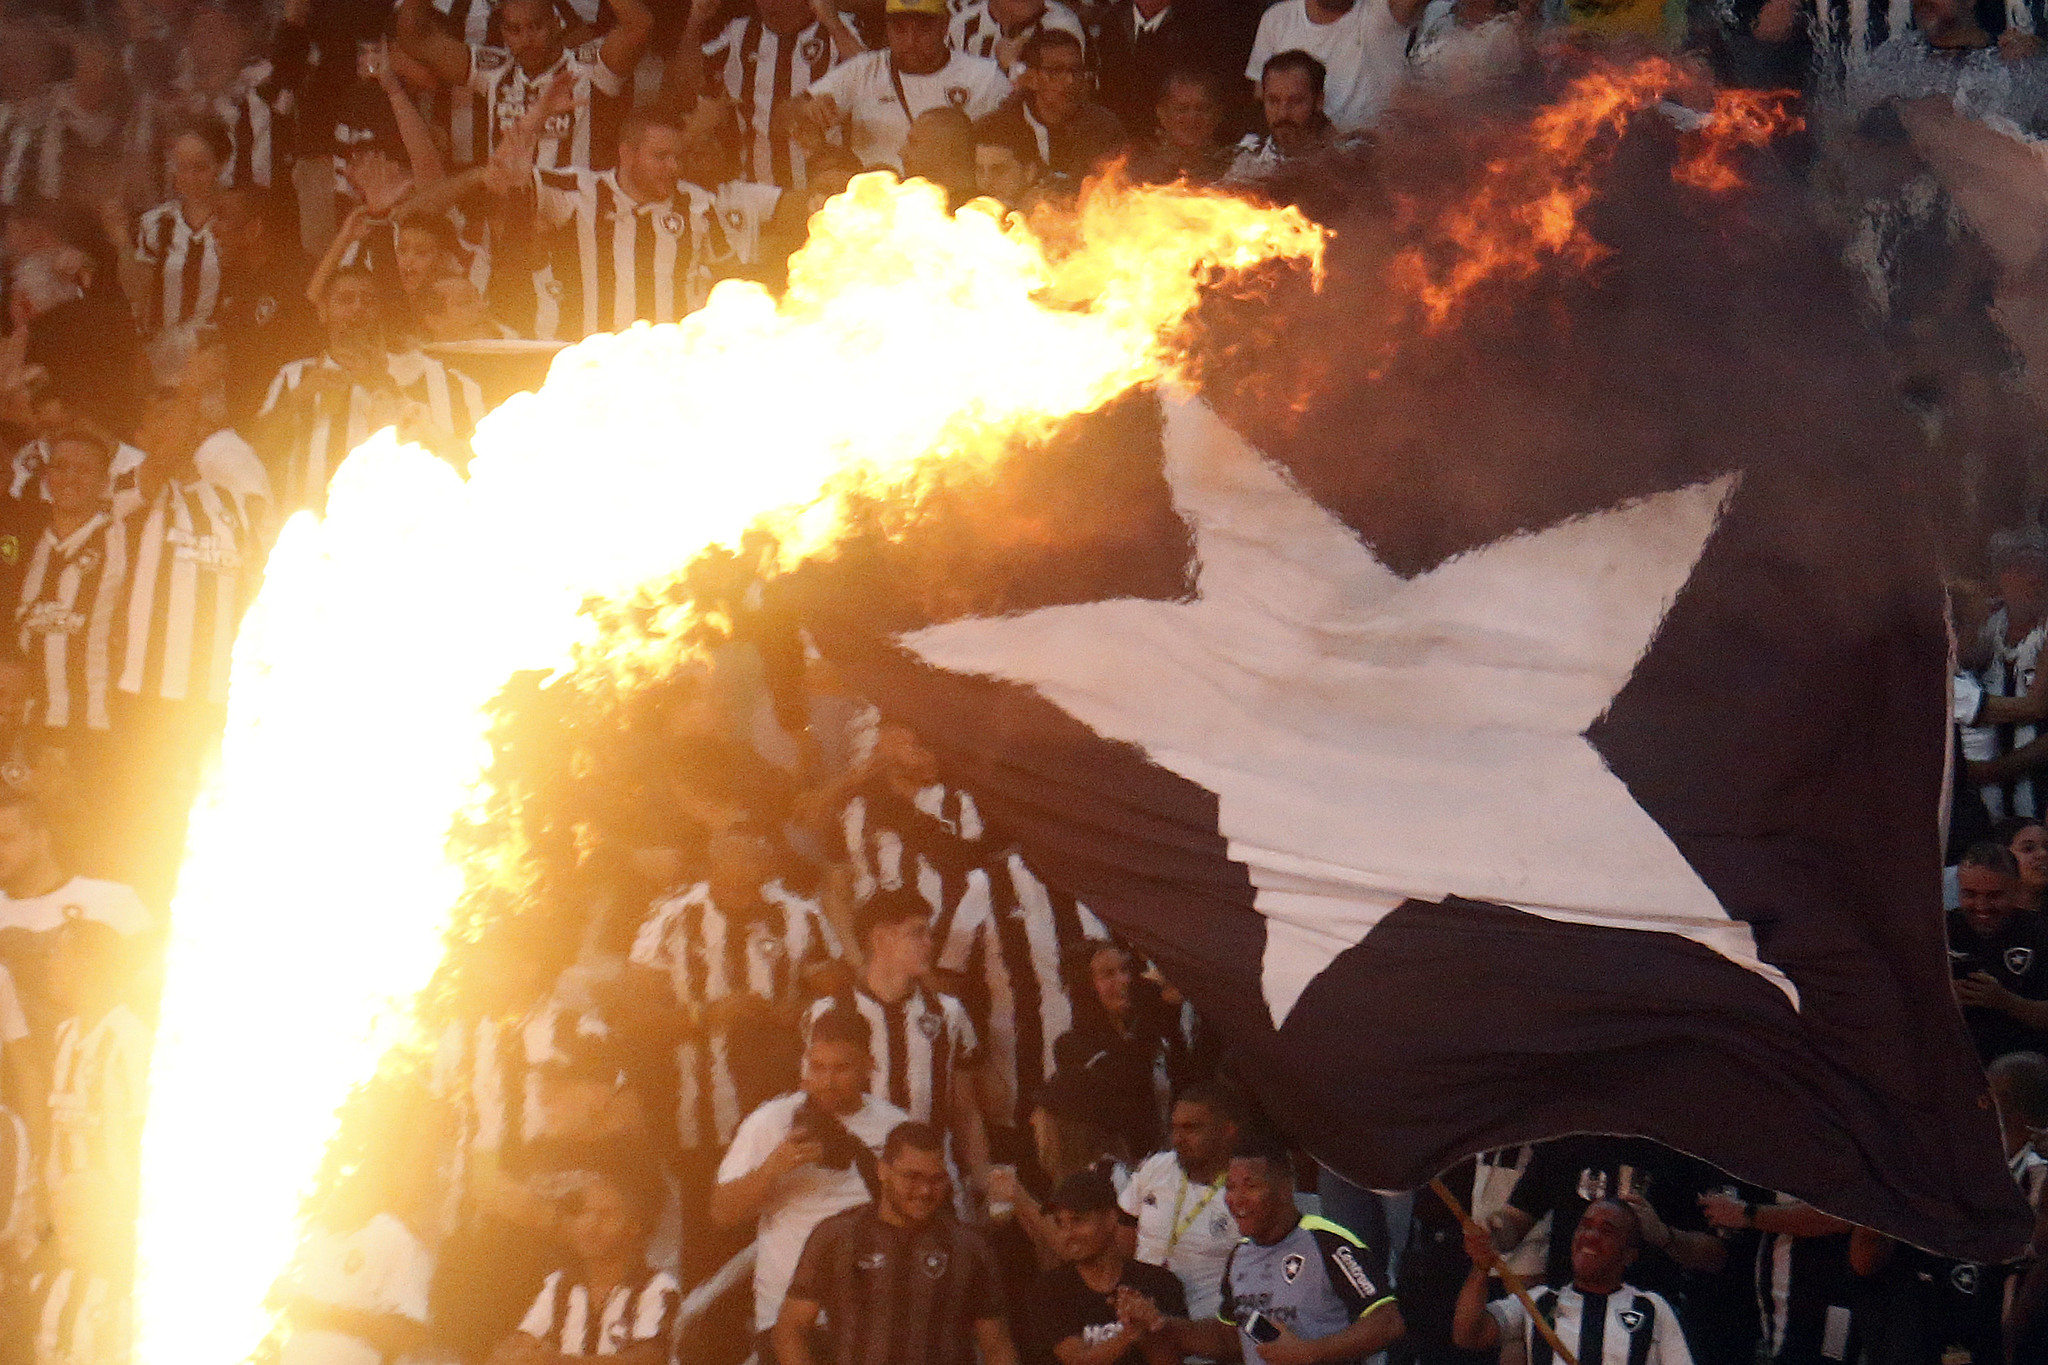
x,y
833,1075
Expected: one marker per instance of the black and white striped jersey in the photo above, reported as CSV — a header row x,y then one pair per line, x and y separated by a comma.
x,y
641,1308
460,111
184,263
919,1044
308,431
710,955
1628,1327
1805,1296
185,595
71,599
976,32
615,260
582,138
40,138
99,1087
2009,672
761,68
76,1317
994,922
256,112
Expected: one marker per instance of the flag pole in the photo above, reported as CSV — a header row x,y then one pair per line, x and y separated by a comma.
x,y
1509,1278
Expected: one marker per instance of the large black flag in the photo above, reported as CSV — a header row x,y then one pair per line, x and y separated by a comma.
x,y
1529,726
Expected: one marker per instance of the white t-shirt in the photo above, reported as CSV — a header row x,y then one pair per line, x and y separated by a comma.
x,y
110,903
379,1268
802,1199
861,89
1364,53
1183,1226
13,1023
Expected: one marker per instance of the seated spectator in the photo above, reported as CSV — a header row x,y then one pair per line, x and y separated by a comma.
x,y
1144,42
609,1301
1054,102
1291,95
72,592
1187,146
801,1158
1296,1289
1998,956
2027,841
318,409
511,79
1176,1196
854,1286
1006,164
940,148
1070,1315
1625,1325
1660,1186
871,99
1362,46
2004,757
175,274
1000,29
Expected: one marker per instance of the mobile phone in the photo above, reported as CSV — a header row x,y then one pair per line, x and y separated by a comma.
x,y
1260,1328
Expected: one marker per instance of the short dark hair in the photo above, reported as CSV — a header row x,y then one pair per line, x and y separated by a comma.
x,y
1013,135
1268,1147
2008,828
1032,54
831,158
2026,1075
437,226
209,130
1992,857
888,906
1192,75
643,1194
1219,1099
923,1136
842,1025
1294,59
81,436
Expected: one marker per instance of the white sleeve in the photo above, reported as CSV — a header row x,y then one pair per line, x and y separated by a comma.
x,y
650,944
541,1316
836,84
1066,21
996,91
405,1288
13,1023
1514,1319
1969,699
1262,46
1132,1197
760,1133
1667,1345
120,908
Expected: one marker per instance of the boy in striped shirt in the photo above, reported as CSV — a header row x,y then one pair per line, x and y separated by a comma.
x,y
609,1302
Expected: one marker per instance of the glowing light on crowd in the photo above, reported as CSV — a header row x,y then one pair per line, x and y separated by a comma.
x,y
318,883
1529,205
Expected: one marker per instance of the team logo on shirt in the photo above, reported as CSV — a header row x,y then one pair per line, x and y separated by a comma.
x,y
555,289
10,549
670,223
489,58
2017,960
935,1262
1631,1318
872,1260
734,218
1219,1220
1355,1272
1964,1278
928,1025
956,95
1291,1267
812,49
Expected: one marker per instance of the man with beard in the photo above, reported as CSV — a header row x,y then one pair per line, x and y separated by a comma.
x,y
320,408
1291,93
1605,1320
1362,45
1054,103
1998,957
897,1279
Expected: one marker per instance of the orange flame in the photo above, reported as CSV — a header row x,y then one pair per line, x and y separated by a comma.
x,y
1528,206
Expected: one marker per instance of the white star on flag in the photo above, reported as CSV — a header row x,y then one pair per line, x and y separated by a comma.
x,y
1372,739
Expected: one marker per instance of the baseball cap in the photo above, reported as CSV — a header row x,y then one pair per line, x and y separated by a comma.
x,y
1083,1192
937,8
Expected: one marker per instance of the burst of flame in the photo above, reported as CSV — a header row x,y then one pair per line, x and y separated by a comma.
x,y
1527,208
318,881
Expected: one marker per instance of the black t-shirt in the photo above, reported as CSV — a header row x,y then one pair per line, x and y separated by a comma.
x,y
1927,1306
2016,957
1060,1305
898,1296
265,322
1567,1176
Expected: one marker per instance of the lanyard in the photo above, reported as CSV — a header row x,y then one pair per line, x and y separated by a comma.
x,y
1180,1224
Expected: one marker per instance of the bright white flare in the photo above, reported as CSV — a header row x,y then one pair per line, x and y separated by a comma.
x,y
318,881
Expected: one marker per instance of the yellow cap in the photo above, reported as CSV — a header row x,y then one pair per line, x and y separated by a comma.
x,y
936,8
